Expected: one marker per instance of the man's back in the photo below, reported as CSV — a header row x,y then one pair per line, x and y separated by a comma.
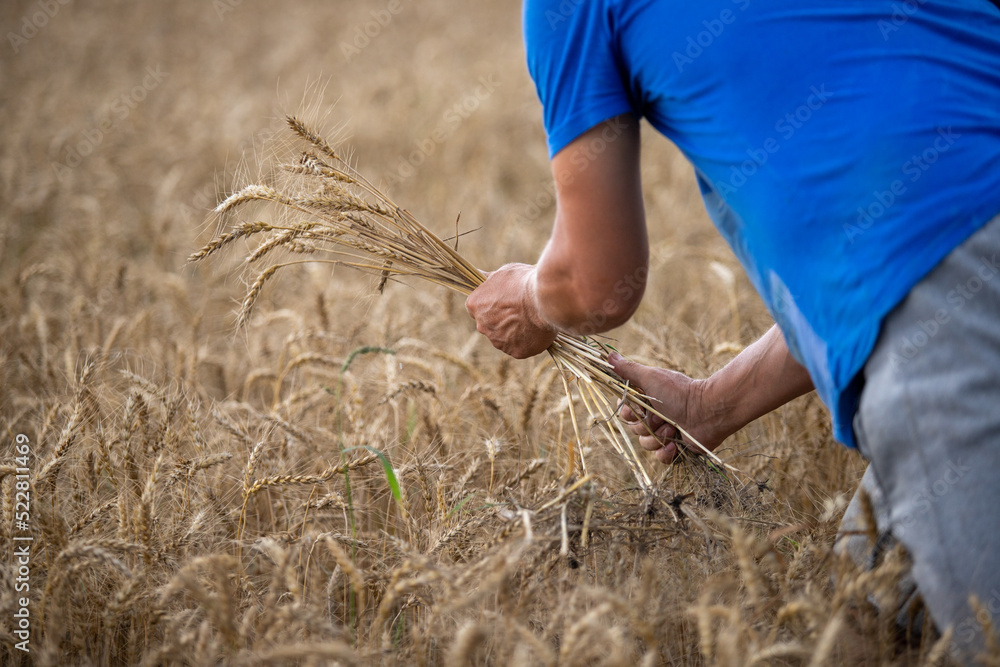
x,y
843,148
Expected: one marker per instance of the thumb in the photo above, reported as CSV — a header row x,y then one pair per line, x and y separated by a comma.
x,y
634,372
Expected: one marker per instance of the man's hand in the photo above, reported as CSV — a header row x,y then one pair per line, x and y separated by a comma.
x,y
761,378
505,308
676,396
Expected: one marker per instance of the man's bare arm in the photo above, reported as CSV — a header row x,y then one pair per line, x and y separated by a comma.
x,y
760,379
592,273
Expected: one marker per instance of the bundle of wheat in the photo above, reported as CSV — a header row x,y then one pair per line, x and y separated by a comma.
x,y
353,223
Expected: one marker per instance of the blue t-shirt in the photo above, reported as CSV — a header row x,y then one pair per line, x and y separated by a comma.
x,y
843,148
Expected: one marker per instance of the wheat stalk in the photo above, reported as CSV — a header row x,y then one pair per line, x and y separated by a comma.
x,y
354,224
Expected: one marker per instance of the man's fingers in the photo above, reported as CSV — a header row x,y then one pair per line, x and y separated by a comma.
x,y
667,453
653,439
644,425
628,416
666,433
650,443
629,370
664,451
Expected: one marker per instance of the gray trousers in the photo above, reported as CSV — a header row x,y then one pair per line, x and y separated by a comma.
x,y
929,423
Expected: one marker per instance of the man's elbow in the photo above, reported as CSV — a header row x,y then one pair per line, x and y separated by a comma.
x,y
591,308
608,309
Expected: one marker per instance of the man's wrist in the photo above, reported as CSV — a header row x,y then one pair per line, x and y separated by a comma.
x,y
718,409
532,308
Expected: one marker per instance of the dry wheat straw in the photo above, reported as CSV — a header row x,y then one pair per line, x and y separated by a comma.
x,y
189,467
70,431
290,480
466,642
93,516
939,651
332,652
147,511
356,225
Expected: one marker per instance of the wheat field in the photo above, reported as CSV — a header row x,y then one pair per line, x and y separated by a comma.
x,y
354,476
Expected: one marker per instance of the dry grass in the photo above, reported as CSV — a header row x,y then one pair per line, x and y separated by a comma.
x,y
355,477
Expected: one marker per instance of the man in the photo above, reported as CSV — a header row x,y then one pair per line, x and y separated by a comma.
x,y
849,152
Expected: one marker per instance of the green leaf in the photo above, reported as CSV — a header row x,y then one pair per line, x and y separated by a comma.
x,y
458,505
365,349
390,474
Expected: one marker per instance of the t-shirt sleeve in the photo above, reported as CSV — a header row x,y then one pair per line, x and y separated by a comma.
x,y
571,58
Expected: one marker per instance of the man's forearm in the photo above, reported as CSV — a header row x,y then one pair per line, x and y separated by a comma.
x,y
592,274
762,378
573,295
